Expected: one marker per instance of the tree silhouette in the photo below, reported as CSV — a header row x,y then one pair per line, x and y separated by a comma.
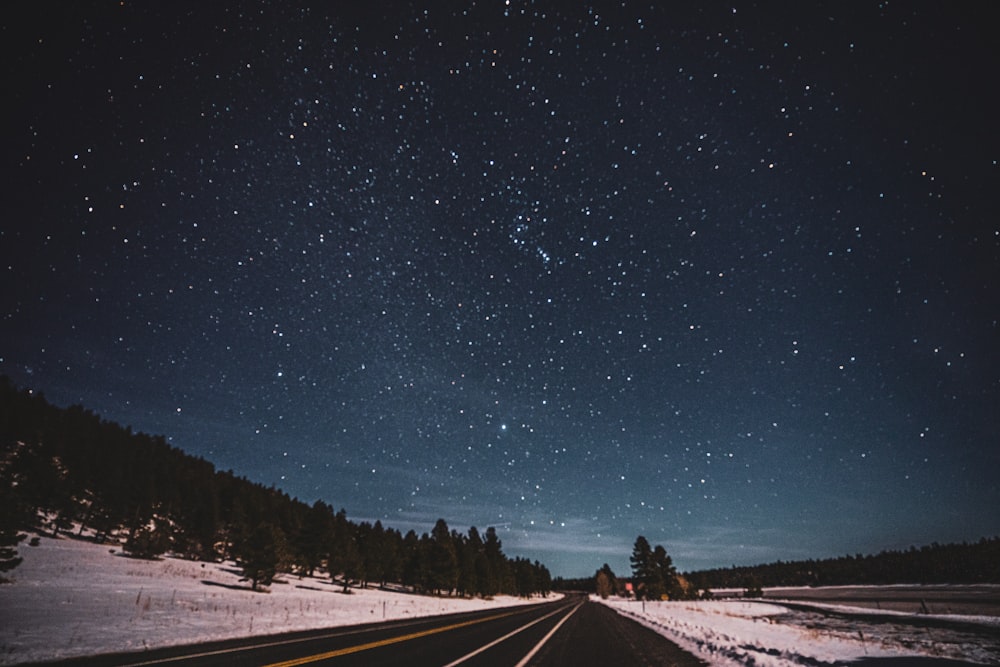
x,y
148,542
442,560
605,582
312,543
259,554
345,557
653,572
10,535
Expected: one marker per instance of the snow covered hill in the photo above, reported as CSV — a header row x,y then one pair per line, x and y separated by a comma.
x,y
72,597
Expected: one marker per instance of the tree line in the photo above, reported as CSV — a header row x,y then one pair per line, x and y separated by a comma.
x,y
962,563
654,577
65,469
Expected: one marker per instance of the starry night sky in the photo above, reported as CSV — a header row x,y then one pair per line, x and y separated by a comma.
x,y
724,276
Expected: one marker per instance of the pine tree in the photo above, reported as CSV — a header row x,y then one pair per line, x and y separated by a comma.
x,y
602,586
413,561
543,579
466,564
10,534
606,582
642,567
259,555
312,543
525,577
393,557
469,563
149,542
665,576
442,559
345,557
653,572
375,551
492,583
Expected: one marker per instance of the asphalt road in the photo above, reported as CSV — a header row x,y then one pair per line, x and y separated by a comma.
x,y
572,631
597,635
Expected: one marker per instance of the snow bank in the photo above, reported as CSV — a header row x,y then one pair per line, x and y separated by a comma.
x,y
72,598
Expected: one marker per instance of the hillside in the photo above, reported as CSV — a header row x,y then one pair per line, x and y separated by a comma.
x,y
67,470
74,597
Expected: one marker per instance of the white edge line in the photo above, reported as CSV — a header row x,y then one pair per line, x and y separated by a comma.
x,y
497,641
539,645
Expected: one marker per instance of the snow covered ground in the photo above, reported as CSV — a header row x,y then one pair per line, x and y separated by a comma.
x,y
767,634
71,597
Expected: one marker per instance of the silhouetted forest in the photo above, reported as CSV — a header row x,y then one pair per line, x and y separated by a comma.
x,y
65,470
963,563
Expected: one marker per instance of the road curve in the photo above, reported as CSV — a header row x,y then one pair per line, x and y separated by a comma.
x,y
572,631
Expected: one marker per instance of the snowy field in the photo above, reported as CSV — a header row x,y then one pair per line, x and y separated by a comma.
x,y
72,598
767,634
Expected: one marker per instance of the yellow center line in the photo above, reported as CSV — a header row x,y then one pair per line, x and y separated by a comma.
x,y
385,642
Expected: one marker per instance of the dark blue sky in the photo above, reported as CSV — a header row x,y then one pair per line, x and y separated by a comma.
x,y
725,277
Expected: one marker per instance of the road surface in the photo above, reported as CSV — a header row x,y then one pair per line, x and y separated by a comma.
x,y
572,631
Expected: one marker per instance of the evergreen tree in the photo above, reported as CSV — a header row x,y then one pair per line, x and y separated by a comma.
x,y
149,542
414,565
11,515
470,550
525,577
653,572
259,554
665,576
375,551
543,579
198,512
466,583
313,542
492,582
345,557
605,582
601,585
643,573
392,556
442,560
236,529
